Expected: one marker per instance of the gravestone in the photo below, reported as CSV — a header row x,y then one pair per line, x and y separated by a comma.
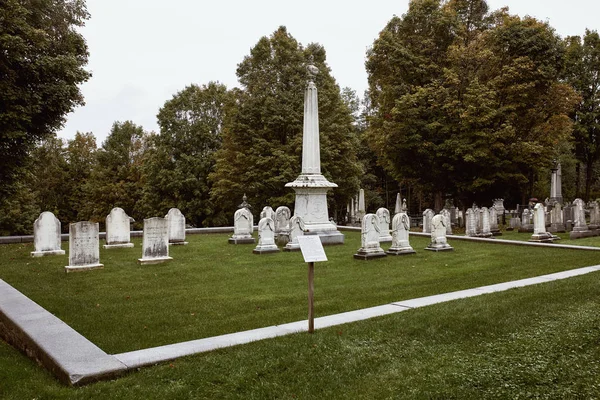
x,y
118,231
400,243
515,223
485,223
494,222
526,221
266,237
155,243
46,236
267,212
176,227
369,239
447,220
361,211
471,223
438,235
243,226
539,225
296,229
580,228
282,225
398,206
499,206
427,216
384,225
84,247
557,219
594,216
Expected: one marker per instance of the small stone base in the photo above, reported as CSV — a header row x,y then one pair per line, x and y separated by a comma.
x,y
282,239
177,243
497,233
580,234
526,229
329,237
400,252
47,253
266,249
157,260
362,255
385,239
485,235
79,268
250,240
290,247
118,246
439,248
542,238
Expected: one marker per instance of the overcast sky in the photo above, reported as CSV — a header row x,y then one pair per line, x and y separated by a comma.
x,y
142,52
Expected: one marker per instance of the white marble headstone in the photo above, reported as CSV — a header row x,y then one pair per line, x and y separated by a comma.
x,y
296,229
84,247
438,235
46,236
243,226
267,212
427,216
266,237
370,233
384,225
400,229
118,231
176,226
155,244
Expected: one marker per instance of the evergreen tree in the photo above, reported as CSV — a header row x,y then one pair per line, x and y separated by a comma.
x,y
183,155
262,135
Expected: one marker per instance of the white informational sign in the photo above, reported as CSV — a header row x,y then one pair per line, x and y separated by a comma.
x,y
312,248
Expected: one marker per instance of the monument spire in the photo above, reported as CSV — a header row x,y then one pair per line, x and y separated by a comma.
x,y
311,187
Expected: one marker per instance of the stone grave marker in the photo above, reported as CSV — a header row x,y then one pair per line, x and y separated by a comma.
x,y
539,225
438,235
494,222
118,231
296,229
485,223
155,247
447,220
427,216
400,243
471,223
369,236
384,225
243,226
266,237
46,236
267,212
176,227
282,225
84,247
580,228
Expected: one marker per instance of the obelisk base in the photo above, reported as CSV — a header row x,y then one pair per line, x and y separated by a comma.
x,y
311,204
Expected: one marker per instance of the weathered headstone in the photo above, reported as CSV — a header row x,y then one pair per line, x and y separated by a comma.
x,y
398,206
515,223
594,215
155,243
557,219
447,220
266,237
438,235
361,211
539,225
243,226
267,212
84,247
176,227
400,243
555,183
526,221
384,225
427,216
296,229
499,205
369,236
494,222
118,231
46,236
485,223
471,223
282,225
580,228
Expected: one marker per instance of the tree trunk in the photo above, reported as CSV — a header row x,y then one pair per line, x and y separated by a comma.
x,y
578,180
437,202
589,175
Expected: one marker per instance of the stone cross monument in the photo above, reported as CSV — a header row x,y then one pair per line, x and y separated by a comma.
x,y
311,186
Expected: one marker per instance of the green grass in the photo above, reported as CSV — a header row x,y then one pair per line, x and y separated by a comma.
x,y
564,238
539,342
213,288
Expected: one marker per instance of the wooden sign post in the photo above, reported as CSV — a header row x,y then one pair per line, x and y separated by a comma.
x,y
312,251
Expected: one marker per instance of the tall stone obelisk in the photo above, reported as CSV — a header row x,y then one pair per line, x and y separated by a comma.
x,y
556,183
311,186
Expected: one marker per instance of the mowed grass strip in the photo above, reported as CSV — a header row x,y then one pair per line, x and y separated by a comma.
x,y
593,241
213,288
540,342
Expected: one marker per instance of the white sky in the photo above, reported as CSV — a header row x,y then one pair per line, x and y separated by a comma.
x,y
142,52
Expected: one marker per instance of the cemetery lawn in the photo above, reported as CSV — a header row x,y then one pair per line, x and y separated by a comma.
x,y
541,341
212,288
593,241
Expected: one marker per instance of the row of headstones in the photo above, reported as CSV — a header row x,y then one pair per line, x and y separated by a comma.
x,y
274,227
84,238
481,222
376,230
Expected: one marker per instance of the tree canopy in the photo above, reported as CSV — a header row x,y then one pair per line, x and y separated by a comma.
x,y
41,63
